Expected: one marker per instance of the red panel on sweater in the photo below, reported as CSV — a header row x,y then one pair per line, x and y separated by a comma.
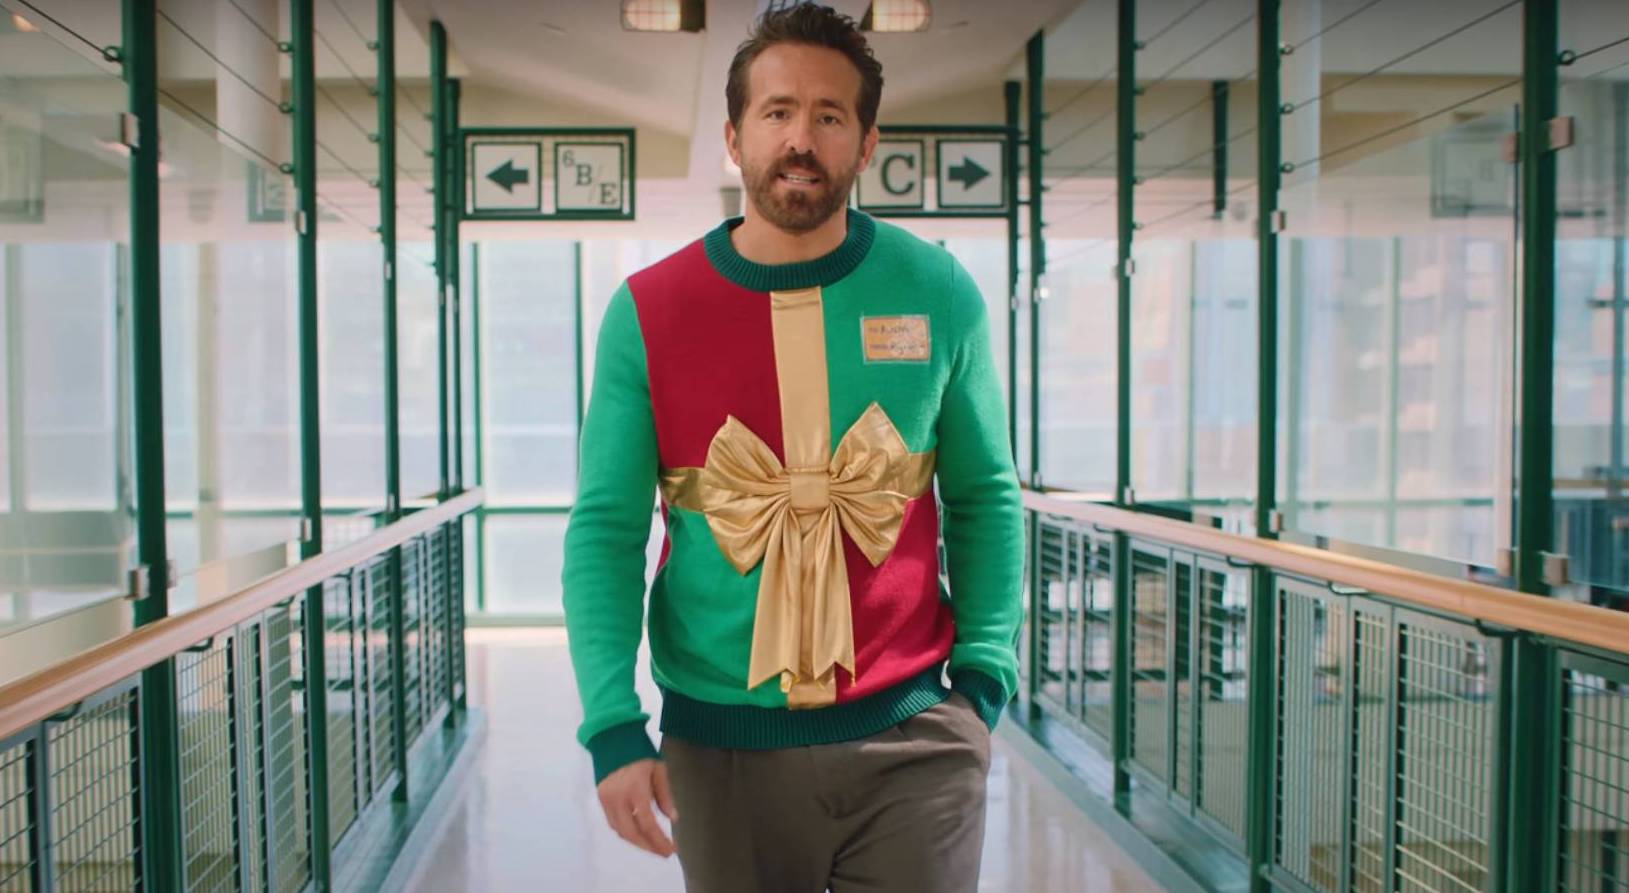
x,y
710,351
901,627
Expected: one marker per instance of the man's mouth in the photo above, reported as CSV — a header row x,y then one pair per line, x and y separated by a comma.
x,y
799,179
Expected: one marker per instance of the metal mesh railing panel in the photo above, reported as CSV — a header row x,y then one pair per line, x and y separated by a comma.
x,y
1180,668
1594,812
436,633
209,788
1150,696
381,691
1310,775
340,669
1097,683
413,635
17,829
252,720
95,839
288,787
1446,784
1372,738
1053,610
1222,659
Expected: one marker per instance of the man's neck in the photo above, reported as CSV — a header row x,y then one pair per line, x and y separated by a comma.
x,y
761,242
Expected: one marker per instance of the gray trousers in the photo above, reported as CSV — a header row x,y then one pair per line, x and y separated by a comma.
x,y
901,811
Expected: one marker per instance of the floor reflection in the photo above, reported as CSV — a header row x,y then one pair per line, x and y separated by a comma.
x,y
529,815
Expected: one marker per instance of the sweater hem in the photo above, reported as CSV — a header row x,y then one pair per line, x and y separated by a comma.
x,y
747,727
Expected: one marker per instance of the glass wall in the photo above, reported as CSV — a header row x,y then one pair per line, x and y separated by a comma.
x,y
1592,302
350,273
67,534
229,295
1193,286
529,301
1397,294
535,297
1080,292
417,305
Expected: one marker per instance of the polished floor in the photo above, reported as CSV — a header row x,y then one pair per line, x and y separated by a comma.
x,y
528,819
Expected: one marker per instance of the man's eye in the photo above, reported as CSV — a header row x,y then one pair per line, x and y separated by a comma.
x,y
831,119
777,114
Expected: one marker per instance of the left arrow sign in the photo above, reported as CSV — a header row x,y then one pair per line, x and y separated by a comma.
x,y
508,176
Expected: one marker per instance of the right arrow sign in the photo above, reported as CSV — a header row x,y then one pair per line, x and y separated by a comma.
x,y
968,173
971,174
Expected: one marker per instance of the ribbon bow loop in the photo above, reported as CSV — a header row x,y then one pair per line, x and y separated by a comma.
x,y
793,521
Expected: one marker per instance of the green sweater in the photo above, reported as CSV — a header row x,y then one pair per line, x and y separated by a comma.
x,y
690,343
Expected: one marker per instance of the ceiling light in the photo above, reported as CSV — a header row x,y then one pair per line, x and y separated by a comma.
x,y
22,24
664,15
897,15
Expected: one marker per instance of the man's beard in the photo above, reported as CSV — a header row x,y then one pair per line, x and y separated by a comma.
x,y
798,211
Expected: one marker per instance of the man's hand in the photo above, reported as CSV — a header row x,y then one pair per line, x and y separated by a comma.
x,y
626,796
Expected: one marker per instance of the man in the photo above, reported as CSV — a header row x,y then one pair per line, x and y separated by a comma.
x,y
793,383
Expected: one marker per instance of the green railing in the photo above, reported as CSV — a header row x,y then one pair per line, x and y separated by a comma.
x,y
1397,707
74,777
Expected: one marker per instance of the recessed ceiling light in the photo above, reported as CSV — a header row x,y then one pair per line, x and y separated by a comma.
x,y
664,15
22,24
897,16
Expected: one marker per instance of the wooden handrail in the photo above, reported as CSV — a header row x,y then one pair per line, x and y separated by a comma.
x,y
58,687
1566,620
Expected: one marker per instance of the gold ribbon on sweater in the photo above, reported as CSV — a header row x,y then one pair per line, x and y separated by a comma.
x,y
792,516
793,520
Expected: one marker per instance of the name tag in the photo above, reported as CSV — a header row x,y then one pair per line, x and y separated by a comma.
x,y
896,339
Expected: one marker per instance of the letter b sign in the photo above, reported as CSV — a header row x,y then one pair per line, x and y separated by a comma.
x,y
588,176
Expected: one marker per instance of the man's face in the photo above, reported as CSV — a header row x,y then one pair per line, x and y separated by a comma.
x,y
800,144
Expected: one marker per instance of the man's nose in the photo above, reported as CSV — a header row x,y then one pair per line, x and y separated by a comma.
x,y
800,137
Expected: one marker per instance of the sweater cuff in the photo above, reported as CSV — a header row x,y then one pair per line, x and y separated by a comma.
x,y
618,746
985,693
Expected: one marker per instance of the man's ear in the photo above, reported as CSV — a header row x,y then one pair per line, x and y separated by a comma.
x,y
729,143
868,147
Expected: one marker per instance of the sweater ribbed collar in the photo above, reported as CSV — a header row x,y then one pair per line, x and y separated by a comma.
x,y
819,272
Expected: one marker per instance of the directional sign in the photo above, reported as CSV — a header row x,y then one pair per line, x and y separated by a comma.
x,y
506,176
939,170
548,173
588,176
893,182
971,174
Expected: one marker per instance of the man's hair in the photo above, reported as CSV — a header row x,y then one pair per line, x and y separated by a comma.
x,y
814,25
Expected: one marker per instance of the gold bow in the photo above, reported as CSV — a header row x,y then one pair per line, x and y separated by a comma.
x,y
793,519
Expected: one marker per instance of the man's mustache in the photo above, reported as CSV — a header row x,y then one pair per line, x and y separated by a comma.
x,y
806,162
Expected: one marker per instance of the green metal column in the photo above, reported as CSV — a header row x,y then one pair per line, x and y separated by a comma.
x,y
452,373
1013,92
386,79
438,129
305,178
455,277
1533,759
581,392
478,412
1035,66
1616,469
1264,600
160,822
1125,173
1538,181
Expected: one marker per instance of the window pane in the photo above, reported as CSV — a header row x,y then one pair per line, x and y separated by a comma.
x,y
1397,302
528,304
1592,306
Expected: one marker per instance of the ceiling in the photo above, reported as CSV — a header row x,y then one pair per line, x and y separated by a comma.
x,y
574,54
